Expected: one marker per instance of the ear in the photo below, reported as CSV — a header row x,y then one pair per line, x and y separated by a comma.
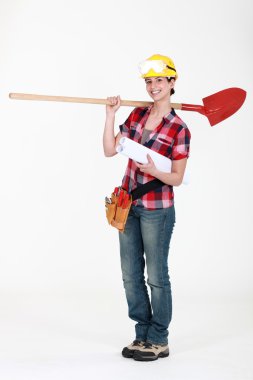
x,y
172,83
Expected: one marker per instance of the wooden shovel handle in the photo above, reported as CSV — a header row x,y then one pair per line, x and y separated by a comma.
x,y
130,103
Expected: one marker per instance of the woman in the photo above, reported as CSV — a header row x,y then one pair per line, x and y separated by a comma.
x,y
151,219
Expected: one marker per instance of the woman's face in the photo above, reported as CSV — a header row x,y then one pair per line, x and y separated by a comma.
x,y
159,87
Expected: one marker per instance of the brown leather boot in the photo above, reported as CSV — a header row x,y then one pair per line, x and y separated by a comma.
x,y
128,351
150,352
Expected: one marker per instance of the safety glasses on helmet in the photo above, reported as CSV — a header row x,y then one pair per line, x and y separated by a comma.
x,y
157,65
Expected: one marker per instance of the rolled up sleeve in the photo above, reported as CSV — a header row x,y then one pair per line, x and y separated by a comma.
x,y
181,146
125,127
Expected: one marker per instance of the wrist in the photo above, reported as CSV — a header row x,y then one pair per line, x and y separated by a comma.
x,y
156,173
110,115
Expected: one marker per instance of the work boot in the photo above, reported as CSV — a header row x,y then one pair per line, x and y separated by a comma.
x,y
128,351
150,352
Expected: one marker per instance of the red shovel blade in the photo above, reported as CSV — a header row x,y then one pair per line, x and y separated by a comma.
x,y
223,104
219,106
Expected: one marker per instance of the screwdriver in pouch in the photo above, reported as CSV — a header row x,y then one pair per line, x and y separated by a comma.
x,y
121,195
125,201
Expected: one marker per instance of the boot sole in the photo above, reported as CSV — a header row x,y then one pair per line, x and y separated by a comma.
x,y
141,358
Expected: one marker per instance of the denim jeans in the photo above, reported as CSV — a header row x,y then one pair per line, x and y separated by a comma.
x,y
146,239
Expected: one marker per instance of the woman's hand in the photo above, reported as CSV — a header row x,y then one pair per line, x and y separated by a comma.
x,y
113,106
174,178
148,168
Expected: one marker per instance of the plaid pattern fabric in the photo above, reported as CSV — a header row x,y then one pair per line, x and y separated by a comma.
x,y
170,138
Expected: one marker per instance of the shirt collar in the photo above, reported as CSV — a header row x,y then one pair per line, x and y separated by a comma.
x,y
168,117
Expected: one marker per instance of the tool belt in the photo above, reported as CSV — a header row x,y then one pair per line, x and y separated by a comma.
x,y
118,206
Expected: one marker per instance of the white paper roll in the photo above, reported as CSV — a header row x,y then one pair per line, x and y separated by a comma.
x,y
138,152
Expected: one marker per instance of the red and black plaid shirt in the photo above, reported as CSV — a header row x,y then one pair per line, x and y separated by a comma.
x,y
171,138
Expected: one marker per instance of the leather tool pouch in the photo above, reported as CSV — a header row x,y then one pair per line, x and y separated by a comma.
x,y
118,206
117,211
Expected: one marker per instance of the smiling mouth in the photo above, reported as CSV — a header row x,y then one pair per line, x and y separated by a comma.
x,y
155,92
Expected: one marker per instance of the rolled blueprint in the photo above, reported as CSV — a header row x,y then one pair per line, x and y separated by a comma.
x,y
138,152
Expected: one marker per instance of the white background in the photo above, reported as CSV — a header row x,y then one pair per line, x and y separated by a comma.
x,y
63,309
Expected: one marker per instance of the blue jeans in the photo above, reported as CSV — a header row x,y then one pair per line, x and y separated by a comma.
x,y
148,232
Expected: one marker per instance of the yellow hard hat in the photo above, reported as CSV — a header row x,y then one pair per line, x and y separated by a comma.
x,y
158,66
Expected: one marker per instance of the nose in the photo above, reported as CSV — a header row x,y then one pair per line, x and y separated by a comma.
x,y
152,84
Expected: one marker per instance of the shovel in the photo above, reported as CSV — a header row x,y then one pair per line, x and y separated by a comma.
x,y
216,108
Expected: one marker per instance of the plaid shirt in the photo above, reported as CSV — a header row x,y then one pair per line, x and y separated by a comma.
x,y
171,138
